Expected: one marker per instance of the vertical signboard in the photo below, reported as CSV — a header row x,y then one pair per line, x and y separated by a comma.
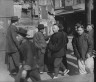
x,y
44,14
17,10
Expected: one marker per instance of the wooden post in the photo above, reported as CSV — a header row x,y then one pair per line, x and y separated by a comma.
x,y
88,8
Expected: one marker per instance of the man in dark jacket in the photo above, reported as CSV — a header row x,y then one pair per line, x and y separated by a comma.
x,y
12,58
40,44
83,46
28,51
56,46
64,66
90,31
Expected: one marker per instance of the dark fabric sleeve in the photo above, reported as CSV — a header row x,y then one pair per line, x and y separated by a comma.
x,y
76,53
22,57
90,45
35,41
30,58
14,34
46,38
39,41
58,45
42,41
66,38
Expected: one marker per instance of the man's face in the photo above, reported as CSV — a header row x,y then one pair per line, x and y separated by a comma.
x,y
76,28
19,37
57,22
42,30
55,28
80,30
17,22
89,27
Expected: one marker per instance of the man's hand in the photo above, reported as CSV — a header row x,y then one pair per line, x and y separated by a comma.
x,y
88,55
24,74
20,66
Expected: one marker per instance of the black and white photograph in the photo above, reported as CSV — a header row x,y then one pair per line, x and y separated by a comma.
x,y
47,41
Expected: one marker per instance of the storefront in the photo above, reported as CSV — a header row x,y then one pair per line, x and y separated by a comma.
x,y
71,14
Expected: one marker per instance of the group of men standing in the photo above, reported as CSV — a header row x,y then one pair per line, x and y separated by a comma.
x,y
26,58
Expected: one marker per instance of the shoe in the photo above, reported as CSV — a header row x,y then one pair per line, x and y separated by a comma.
x,y
55,77
83,73
60,72
41,72
13,72
66,71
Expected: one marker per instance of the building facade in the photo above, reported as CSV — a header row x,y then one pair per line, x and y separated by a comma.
x,y
70,13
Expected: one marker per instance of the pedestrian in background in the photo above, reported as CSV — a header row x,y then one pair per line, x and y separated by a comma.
x,y
12,58
40,44
90,30
83,46
29,68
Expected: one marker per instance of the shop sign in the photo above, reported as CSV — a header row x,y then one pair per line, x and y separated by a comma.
x,y
17,10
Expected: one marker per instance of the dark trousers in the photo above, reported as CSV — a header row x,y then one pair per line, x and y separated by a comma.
x,y
57,63
13,61
32,74
64,62
40,60
48,61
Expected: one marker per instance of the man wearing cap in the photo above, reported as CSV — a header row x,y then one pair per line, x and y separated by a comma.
x,y
40,44
29,68
12,47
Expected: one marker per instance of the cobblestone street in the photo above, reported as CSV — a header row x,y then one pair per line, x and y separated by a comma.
x,y
72,76
72,64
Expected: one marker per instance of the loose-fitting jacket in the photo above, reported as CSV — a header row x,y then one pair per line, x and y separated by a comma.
x,y
91,34
27,49
56,44
39,41
11,42
82,45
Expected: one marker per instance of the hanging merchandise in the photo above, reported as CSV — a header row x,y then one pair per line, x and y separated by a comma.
x,y
44,13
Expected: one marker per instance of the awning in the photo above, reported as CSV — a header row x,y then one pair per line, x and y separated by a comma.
x,y
68,10
63,12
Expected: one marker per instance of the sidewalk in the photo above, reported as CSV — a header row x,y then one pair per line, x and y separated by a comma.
x,y
72,65
5,77
72,62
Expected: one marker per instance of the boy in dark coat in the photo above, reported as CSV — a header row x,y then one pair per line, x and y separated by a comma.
x,y
83,46
12,58
29,68
56,46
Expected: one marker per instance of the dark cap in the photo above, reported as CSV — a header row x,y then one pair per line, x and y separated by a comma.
x,y
14,18
22,32
40,27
